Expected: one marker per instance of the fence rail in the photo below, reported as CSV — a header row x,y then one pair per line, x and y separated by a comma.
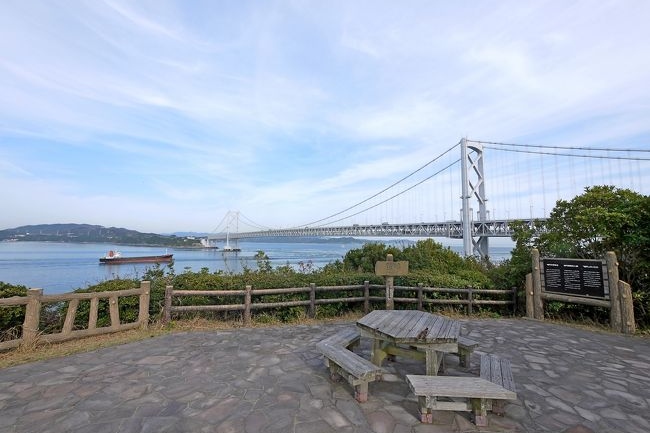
x,y
35,300
469,300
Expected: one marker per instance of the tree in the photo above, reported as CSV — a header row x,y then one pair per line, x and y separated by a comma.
x,y
363,259
604,218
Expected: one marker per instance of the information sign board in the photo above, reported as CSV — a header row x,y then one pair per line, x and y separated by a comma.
x,y
575,277
391,269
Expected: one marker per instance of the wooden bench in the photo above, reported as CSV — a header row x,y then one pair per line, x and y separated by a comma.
x,y
350,366
476,394
465,348
348,338
498,371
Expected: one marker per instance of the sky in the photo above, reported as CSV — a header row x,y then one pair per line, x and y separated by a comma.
x,y
162,116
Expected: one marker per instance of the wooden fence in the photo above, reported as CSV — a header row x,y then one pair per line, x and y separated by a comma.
x,y
469,300
35,300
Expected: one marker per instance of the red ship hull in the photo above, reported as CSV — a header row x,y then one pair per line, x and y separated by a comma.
x,y
165,258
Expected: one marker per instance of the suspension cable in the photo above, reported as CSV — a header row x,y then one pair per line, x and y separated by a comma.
x,y
253,223
380,192
575,155
497,143
393,196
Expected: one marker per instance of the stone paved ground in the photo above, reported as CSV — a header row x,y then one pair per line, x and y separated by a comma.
x,y
273,380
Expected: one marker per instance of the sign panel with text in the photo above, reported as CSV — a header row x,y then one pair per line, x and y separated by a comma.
x,y
575,277
391,269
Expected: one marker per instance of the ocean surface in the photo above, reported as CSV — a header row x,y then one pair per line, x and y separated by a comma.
x,y
64,267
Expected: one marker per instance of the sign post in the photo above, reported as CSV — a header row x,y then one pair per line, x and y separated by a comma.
x,y
390,269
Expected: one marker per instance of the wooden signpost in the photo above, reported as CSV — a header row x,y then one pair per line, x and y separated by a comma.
x,y
587,282
389,269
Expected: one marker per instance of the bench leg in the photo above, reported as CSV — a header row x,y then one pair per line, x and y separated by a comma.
x,y
426,415
464,356
361,392
499,407
479,407
333,369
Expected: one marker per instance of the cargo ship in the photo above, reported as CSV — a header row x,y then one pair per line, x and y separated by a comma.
x,y
116,258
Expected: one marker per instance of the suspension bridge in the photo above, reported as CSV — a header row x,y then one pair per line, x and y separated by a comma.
x,y
537,174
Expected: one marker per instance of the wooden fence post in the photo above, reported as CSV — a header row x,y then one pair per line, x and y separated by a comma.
x,y
514,301
612,278
530,309
145,296
114,310
366,297
247,306
628,326
470,308
69,316
312,300
420,307
538,306
94,312
167,317
32,315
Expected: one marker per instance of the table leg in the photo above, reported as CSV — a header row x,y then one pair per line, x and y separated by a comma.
x,y
433,359
377,354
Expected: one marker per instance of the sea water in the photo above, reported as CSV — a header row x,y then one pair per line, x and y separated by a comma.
x,y
64,267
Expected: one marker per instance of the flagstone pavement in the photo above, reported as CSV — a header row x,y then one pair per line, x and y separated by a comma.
x,y
274,380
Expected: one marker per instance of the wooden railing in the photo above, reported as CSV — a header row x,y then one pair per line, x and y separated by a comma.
x,y
248,293
35,300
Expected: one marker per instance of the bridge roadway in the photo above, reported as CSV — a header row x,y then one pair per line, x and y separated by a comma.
x,y
447,229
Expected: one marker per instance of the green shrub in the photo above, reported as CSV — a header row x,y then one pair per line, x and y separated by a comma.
x,y
11,318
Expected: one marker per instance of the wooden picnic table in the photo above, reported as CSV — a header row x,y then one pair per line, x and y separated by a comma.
x,y
410,333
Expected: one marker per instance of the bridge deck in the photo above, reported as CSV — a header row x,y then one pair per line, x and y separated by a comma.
x,y
448,229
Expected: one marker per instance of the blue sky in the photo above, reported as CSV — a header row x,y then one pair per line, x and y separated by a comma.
x,y
163,115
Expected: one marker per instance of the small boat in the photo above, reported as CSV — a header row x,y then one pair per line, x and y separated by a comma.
x,y
116,258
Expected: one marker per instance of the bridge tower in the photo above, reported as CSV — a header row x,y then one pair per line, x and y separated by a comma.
x,y
473,178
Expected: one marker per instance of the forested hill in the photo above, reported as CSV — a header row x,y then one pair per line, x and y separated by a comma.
x,y
92,233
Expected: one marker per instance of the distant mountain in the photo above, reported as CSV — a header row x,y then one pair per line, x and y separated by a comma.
x,y
92,233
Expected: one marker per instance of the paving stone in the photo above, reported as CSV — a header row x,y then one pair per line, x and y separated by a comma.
x,y
255,422
613,413
559,404
516,412
381,422
635,400
641,421
318,426
352,411
567,418
587,414
578,429
334,418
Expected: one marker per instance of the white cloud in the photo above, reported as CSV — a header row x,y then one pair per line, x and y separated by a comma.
x,y
293,111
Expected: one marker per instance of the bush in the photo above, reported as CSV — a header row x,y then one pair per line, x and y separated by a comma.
x,y
11,318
